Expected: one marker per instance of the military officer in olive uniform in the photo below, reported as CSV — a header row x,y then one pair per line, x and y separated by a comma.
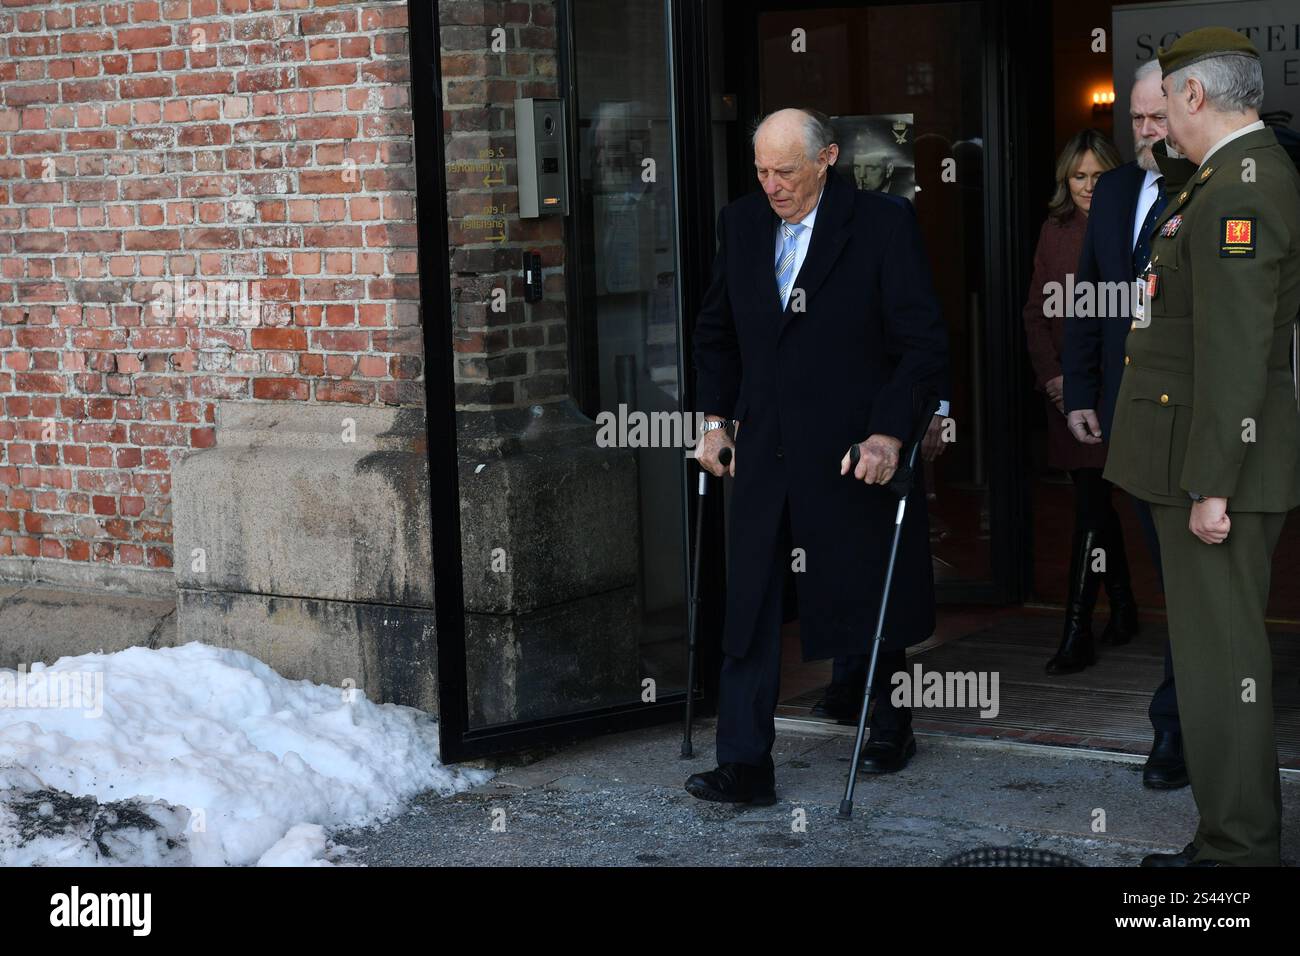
x,y
1207,430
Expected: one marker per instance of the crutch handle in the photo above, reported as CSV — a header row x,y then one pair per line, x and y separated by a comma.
x,y
901,483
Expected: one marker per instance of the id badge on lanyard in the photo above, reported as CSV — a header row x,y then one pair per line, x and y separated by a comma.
x,y
1150,286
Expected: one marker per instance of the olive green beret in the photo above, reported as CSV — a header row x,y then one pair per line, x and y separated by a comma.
x,y
1201,45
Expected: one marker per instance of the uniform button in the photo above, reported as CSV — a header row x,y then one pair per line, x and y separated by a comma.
x,y
780,452
1164,399
1126,359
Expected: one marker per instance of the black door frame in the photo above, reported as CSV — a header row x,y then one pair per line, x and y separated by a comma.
x,y
1009,99
458,741
1017,88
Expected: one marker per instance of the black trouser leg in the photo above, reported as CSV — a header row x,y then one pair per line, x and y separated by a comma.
x,y
1164,702
749,686
851,670
886,719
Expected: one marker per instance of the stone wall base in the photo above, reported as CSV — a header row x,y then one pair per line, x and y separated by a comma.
x,y
389,652
556,660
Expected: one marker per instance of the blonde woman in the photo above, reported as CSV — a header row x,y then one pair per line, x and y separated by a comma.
x,y
1085,157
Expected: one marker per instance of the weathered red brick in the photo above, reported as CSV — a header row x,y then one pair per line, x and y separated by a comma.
x,y
143,37
281,153
281,389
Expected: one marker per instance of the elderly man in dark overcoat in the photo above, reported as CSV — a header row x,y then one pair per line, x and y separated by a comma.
x,y
819,329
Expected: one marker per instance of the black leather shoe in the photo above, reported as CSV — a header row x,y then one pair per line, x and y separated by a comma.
x,y
887,754
735,783
1165,769
1183,857
843,703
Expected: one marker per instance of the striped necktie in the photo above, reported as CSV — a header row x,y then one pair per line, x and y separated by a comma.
x,y
785,261
1142,249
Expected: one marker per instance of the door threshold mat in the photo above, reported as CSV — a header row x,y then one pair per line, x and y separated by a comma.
x,y
1102,708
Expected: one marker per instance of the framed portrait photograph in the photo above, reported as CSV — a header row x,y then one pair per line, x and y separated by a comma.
x,y
877,151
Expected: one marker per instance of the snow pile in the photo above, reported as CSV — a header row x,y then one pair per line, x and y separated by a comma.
x,y
201,755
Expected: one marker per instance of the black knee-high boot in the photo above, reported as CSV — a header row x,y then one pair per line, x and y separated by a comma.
x,y
1076,651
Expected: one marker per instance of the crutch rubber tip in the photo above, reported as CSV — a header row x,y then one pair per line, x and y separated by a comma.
x,y
687,750
846,809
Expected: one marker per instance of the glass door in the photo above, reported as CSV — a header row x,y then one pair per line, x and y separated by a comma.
x,y
571,442
625,285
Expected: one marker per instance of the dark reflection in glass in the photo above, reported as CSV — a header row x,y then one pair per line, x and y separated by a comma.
x,y
921,60
572,531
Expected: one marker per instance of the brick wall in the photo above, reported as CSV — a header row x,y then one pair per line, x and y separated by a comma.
x,y
516,356
253,146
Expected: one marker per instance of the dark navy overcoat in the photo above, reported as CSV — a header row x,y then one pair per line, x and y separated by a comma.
x,y
1092,349
804,386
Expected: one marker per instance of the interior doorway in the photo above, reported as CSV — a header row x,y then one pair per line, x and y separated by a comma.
x,y
904,87
908,86
919,102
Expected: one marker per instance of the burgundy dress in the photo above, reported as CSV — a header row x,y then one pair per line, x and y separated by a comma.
x,y
1059,245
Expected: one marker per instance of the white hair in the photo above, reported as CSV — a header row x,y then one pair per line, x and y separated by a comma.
x,y
1233,82
1145,69
817,135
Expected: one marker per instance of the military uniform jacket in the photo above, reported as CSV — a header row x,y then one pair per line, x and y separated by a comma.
x,y
1207,402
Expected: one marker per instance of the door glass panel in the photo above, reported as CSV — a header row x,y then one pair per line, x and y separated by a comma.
x,y
631,308
572,528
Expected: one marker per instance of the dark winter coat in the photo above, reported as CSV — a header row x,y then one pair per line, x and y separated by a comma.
x,y
806,385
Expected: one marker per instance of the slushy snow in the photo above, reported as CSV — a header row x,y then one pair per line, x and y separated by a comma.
x,y
202,756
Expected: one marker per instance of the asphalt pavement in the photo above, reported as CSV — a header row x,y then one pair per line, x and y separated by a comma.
x,y
618,800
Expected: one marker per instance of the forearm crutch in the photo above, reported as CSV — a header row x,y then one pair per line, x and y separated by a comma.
x,y
693,613
901,485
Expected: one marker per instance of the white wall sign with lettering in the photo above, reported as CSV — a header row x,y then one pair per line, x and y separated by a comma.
x,y
1139,30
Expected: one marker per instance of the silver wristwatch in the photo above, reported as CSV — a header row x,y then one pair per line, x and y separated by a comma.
x,y
708,426
1195,497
